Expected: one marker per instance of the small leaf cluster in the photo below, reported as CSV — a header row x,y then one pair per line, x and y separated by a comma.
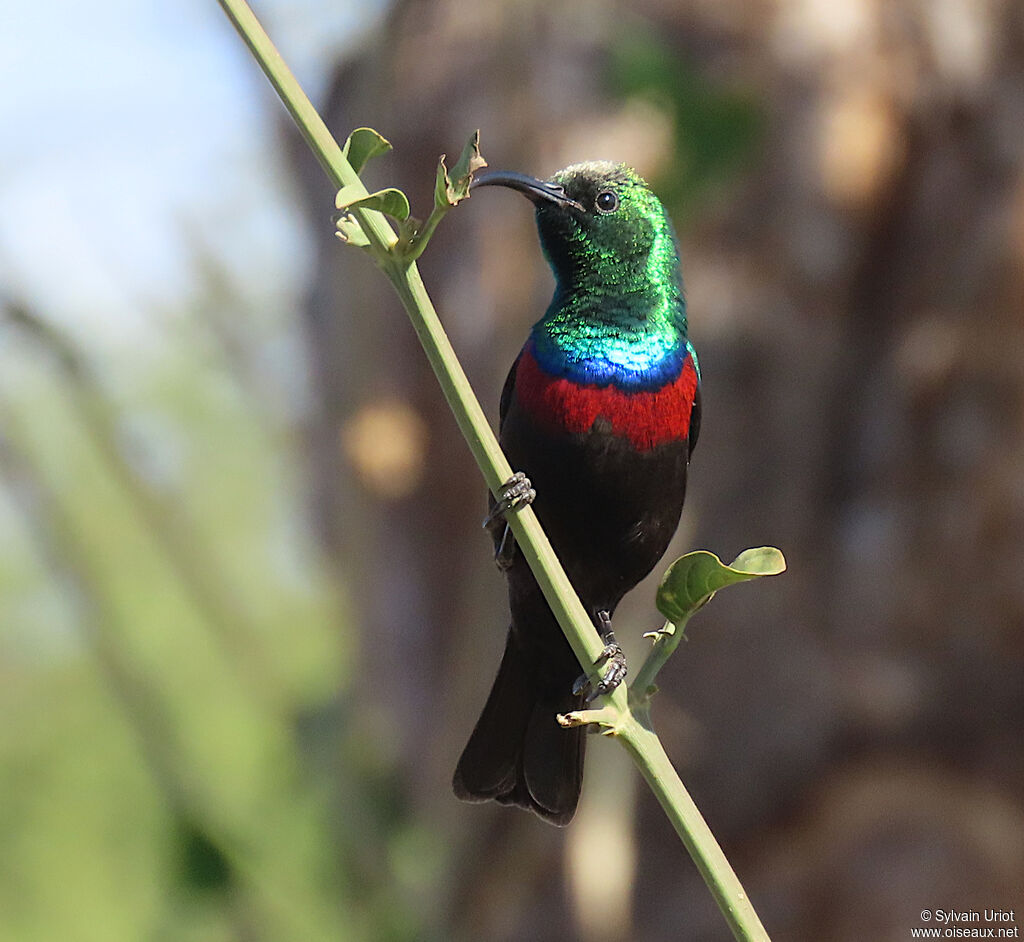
x,y
450,188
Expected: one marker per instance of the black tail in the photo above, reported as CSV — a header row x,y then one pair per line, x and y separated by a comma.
x,y
518,754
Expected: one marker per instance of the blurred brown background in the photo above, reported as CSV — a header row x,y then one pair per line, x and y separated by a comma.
x,y
847,180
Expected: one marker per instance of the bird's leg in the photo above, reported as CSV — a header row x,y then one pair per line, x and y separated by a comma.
x,y
610,654
506,550
516,492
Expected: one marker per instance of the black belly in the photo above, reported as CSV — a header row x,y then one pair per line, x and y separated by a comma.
x,y
608,509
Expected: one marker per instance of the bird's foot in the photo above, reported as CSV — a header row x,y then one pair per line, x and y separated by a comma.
x,y
516,492
611,655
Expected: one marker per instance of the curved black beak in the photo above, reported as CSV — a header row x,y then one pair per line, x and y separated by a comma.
x,y
537,191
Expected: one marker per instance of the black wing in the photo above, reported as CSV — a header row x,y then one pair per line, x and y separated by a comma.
x,y
694,419
506,393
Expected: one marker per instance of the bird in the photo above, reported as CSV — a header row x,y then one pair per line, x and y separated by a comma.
x,y
599,414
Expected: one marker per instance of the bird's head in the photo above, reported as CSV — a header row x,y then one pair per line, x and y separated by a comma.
x,y
598,221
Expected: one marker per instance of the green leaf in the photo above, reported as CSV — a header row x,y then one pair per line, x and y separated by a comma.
x,y
451,187
348,195
694,578
362,145
392,202
351,232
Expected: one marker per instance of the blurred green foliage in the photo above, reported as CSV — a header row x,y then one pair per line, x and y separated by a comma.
x,y
168,640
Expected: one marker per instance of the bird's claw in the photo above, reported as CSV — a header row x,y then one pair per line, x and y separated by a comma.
x,y
516,492
611,655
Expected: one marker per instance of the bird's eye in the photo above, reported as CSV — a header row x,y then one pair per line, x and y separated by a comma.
x,y
607,201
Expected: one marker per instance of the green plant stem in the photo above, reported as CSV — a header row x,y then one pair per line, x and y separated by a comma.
x,y
413,249
665,643
643,744
633,729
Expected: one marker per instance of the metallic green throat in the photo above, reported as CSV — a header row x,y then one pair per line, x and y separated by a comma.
x,y
618,314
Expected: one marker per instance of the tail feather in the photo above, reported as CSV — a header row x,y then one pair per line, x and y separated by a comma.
x,y
517,753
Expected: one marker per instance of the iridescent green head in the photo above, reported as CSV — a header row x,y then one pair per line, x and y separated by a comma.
x,y
618,314
602,229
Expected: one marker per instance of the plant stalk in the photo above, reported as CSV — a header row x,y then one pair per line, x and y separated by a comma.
x,y
645,748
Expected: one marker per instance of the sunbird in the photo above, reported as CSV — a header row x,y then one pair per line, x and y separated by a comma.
x,y
599,416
